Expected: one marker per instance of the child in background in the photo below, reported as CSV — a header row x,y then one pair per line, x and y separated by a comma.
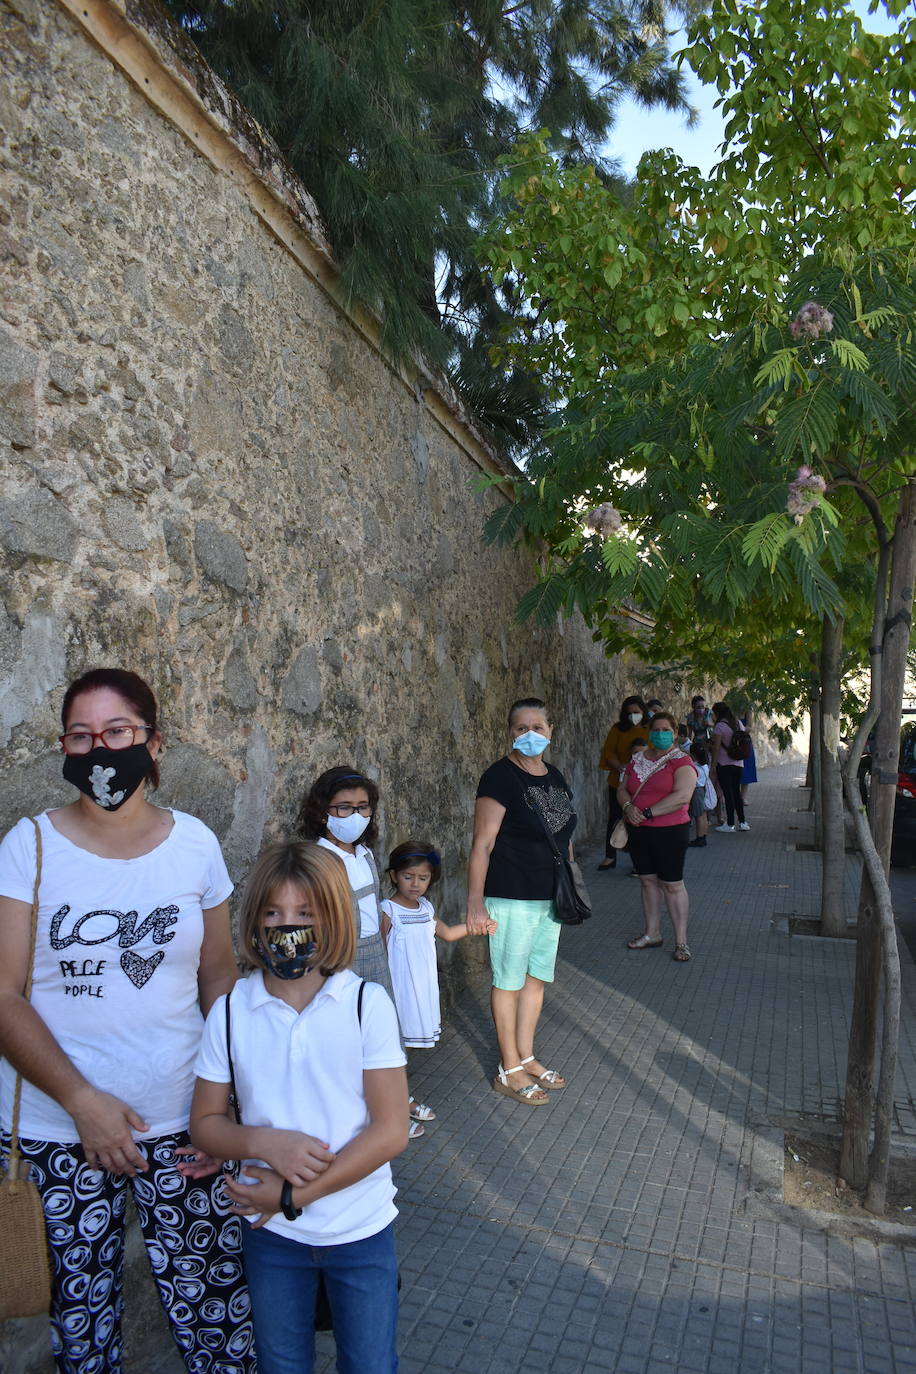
x,y
339,811
704,798
309,1047
683,737
409,927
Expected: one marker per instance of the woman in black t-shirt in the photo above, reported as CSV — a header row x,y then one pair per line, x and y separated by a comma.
x,y
510,880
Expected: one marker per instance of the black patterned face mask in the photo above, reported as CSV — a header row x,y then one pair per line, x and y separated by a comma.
x,y
109,776
286,951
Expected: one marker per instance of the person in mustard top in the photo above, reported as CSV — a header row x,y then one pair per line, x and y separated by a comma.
x,y
614,758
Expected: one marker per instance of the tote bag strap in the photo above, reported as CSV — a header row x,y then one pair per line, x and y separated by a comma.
x,y
657,769
13,1164
540,815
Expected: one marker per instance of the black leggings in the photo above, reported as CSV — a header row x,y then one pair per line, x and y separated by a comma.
x,y
729,776
614,813
192,1240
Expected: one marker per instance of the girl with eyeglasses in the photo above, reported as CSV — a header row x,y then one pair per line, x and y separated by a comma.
x,y
132,948
339,812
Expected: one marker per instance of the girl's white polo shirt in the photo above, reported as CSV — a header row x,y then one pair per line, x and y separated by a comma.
x,y
303,1071
361,879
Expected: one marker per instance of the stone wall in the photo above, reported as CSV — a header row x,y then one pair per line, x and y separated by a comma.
x,y
212,475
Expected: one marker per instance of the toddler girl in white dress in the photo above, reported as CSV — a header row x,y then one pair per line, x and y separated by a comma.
x,y
409,927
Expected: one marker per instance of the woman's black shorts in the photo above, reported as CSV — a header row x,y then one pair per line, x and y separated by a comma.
x,y
659,850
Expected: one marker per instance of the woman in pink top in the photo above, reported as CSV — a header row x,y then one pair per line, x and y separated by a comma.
x,y
729,771
654,793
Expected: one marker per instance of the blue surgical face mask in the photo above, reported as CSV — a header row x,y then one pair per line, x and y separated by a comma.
x,y
661,739
531,744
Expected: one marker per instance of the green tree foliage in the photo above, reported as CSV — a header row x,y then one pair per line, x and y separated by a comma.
x,y
395,115
707,337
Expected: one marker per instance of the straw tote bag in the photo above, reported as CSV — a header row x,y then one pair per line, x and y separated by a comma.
x,y
620,837
25,1268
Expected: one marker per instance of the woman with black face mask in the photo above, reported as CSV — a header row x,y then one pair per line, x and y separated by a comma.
x,y
132,947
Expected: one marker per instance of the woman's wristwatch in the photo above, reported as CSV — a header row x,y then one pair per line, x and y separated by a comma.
x,y
286,1202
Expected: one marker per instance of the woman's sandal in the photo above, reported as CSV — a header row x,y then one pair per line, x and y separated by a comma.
x,y
681,954
419,1111
549,1079
643,942
415,1129
529,1093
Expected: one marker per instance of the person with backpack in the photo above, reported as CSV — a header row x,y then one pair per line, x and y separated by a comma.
x,y
308,1056
699,720
729,747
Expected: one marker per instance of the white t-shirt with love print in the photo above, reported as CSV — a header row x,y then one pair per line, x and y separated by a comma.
x,y
117,952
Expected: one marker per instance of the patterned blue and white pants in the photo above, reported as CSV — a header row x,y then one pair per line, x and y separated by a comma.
x,y
194,1248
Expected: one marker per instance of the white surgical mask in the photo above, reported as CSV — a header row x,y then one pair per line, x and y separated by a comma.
x,y
531,744
635,717
347,829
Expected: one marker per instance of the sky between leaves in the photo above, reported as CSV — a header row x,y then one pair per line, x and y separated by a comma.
x,y
636,130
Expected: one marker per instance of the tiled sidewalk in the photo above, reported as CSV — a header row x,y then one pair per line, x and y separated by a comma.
x,y
635,1224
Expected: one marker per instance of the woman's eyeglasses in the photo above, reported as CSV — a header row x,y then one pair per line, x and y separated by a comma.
x,y
113,737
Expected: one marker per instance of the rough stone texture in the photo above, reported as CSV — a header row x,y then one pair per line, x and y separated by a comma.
x,y
215,479
17,391
211,477
221,555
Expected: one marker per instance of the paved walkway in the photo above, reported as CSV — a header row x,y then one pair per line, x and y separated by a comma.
x,y
636,1223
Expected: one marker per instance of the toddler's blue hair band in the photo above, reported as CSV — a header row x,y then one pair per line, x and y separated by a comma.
x,y
430,854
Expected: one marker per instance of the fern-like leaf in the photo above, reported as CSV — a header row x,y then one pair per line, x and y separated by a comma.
x,y
766,538
503,524
619,556
544,601
807,422
849,354
876,406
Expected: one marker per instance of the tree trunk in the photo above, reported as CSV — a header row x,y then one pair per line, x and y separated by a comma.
x,y
831,811
814,761
897,632
877,939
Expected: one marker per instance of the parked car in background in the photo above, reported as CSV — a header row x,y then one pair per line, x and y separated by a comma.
x,y
903,836
903,843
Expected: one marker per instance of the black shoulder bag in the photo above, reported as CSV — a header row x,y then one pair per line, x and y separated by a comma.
x,y
571,902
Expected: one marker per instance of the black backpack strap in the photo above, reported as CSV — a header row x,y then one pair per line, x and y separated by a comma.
x,y
233,1096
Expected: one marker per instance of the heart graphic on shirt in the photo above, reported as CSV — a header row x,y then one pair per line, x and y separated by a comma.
x,y
138,969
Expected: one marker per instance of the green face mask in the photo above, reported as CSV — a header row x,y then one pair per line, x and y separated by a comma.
x,y
661,739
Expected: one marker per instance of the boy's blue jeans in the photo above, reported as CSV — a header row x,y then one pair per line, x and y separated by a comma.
x,y
362,1285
